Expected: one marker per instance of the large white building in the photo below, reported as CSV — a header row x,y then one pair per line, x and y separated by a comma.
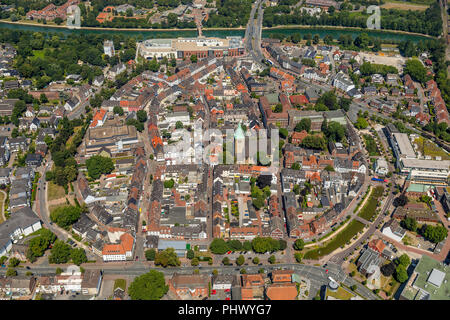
x,y
343,82
22,223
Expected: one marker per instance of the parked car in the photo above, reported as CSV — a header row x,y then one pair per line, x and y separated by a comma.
x,y
213,291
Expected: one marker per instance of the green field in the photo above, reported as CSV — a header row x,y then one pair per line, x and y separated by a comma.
x,y
368,211
120,283
341,294
55,192
371,145
341,239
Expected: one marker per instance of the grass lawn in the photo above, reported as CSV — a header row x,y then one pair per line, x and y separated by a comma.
x,y
38,53
341,294
341,239
385,284
429,148
120,283
55,192
371,145
368,211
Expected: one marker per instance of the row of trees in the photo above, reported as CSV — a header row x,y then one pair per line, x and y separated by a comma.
x,y
258,245
62,252
164,258
434,234
98,165
426,22
65,216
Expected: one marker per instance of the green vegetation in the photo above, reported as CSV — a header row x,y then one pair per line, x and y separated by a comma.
x,y
120,283
166,258
258,245
38,245
65,216
150,254
98,165
371,145
341,239
149,286
368,211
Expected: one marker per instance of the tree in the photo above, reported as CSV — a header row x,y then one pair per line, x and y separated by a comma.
x,y
43,98
226,261
255,260
194,262
3,259
284,133
416,70
13,262
60,253
167,257
400,274
247,246
234,245
179,125
194,58
149,286
11,272
400,201
298,257
299,244
141,115
435,234
118,110
190,254
58,270
65,216
169,184
353,287
272,259
78,256
388,269
409,224
304,124
218,246
240,260
150,254
283,244
98,165
403,260
361,123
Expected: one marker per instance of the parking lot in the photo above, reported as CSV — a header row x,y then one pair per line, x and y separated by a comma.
x,y
222,294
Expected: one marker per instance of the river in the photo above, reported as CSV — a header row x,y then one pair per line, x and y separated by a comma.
x,y
144,34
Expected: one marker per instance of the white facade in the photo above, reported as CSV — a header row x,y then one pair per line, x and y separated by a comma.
x,y
388,232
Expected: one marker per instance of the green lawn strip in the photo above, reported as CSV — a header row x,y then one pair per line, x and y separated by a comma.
x,y
368,211
120,283
341,239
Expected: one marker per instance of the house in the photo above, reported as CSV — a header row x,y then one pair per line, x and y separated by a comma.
x,y
116,70
393,230
370,90
98,81
16,144
5,173
92,281
282,291
367,260
121,251
222,281
178,246
282,276
18,286
7,106
99,118
21,223
342,81
71,104
252,287
33,159
189,286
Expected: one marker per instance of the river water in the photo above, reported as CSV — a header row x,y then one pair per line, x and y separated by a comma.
x,y
145,34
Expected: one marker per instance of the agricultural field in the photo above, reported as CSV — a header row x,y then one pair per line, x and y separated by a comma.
x,y
341,239
414,5
368,211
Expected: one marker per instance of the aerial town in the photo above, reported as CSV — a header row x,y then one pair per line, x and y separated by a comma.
x,y
259,166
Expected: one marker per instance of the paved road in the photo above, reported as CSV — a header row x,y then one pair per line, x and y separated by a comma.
x,y
316,274
253,33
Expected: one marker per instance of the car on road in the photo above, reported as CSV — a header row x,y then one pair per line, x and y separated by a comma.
x,y
213,291
227,290
228,252
27,267
227,298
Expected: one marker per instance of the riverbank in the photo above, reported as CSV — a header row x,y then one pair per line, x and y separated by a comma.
x,y
282,29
